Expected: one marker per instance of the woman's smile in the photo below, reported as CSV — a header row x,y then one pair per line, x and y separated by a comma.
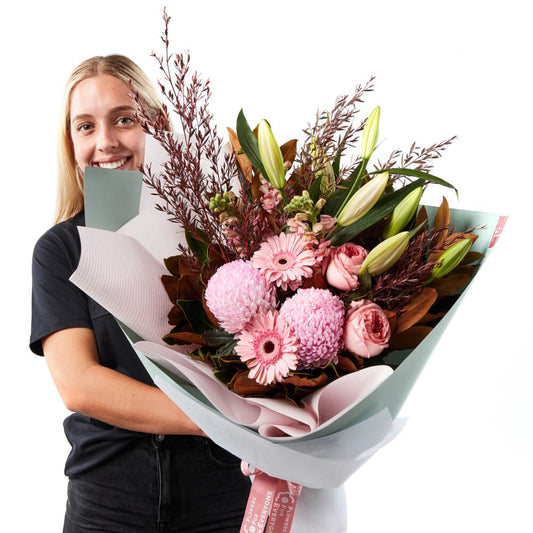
x,y
112,164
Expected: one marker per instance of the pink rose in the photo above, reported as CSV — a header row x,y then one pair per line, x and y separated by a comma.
x,y
366,329
344,265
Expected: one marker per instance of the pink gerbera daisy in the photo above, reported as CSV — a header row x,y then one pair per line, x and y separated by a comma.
x,y
285,259
268,347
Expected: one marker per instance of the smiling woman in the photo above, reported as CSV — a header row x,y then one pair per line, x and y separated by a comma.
x,y
103,128
137,463
98,126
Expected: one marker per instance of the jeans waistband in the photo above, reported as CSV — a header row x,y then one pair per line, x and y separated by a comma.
x,y
177,441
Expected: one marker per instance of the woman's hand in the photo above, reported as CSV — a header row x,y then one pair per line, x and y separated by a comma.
x,y
99,392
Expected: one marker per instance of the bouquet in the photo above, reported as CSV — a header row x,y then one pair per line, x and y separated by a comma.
x,y
307,291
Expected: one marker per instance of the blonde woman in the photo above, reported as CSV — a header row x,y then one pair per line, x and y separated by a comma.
x,y
138,463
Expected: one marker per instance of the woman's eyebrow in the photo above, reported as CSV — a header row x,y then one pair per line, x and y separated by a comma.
x,y
114,110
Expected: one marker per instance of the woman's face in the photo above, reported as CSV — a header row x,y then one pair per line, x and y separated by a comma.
x,y
103,127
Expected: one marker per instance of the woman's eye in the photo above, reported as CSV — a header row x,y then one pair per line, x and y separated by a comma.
x,y
83,128
125,121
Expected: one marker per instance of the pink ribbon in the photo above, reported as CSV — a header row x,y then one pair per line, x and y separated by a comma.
x,y
271,504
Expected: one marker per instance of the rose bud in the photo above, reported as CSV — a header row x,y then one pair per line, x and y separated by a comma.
x,y
369,137
385,254
343,266
363,200
366,329
451,258
271,157
403,213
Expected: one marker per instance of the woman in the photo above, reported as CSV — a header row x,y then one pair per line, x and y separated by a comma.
x,y
138,463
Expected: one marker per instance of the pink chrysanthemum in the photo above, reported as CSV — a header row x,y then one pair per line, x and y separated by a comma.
x,y
316,316
268,347
285,259
236,293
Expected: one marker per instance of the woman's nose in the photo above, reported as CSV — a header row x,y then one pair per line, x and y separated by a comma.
x,y
107,139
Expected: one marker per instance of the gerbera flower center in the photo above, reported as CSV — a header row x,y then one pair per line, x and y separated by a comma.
x,y
284,260
267,346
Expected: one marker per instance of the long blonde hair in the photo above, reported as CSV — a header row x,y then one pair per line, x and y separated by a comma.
x,y
70,177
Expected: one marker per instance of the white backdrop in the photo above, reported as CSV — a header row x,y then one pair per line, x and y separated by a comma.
x,y
464,461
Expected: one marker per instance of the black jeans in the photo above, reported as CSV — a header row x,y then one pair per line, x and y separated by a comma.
x,y
163,484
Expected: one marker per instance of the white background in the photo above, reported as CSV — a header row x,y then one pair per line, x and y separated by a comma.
x,y
464,461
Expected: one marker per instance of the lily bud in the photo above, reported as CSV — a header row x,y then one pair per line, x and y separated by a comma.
x,y
363,200
369,138
451,258
385,254
403,213
270,154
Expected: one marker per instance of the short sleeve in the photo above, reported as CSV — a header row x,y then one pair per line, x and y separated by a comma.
x,y
56,302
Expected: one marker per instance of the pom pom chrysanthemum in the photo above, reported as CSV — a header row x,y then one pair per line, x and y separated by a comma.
x,y
236,293
316,316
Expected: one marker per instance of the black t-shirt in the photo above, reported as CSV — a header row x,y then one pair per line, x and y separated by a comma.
x,y
58,304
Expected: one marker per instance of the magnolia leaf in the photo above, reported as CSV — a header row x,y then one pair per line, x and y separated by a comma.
x,y
195,314
173,264
421,216
450,284
316,281
442,221
170,283
256,187
430,317
465,269
216,258
413,311
348,364
183,337
244,386
185,268
176,316
242,158
189,288
289,150
472,257
299,381
212,318
409,338
392,317
218,337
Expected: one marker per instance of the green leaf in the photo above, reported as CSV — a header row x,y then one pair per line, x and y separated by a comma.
x,y
195,315
249,142
383,207
314,190
418,174
218,337
199,247
224,342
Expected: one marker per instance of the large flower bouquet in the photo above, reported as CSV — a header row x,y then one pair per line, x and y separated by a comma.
x,y
301,265
308,289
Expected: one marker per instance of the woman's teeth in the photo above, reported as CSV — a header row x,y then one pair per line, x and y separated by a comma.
x,y
113,164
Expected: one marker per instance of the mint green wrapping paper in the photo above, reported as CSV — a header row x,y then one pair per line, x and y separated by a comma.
x,y
330,452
